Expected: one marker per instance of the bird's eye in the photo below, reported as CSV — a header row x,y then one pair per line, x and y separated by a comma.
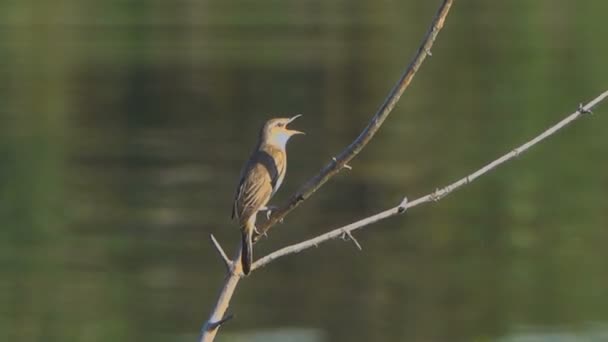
x,y
280,124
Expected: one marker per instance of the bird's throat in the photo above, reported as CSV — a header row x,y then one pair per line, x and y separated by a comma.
x,y
278,141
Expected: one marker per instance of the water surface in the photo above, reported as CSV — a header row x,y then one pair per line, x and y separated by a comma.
x,y
124,125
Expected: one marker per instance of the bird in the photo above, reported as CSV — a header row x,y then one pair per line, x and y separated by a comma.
x,y
261,177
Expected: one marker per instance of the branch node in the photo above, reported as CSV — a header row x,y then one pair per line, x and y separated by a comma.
x,y
345,166
428,52
214,325
347,234
436,195
516,152
221,252
402,206
583,110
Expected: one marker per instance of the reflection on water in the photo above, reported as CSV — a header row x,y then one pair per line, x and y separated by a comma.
x,y
124,127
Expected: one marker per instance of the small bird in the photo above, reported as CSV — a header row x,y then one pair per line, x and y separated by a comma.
x,y
261,177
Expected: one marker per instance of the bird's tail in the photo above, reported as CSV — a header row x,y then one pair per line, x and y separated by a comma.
x,y
247,252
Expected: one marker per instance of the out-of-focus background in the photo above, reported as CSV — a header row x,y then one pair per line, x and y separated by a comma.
x,y
124,125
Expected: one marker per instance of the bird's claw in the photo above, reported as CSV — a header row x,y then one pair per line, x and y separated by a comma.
x,y
268,210
258,233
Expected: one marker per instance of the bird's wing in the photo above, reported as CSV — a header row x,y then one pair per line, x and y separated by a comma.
x,y
274,160
239,188
247,168
253,192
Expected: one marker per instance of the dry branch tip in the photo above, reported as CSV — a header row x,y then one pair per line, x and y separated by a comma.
x,y
221,253
346,234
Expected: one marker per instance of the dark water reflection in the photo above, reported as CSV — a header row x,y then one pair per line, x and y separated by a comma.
x,y
124,126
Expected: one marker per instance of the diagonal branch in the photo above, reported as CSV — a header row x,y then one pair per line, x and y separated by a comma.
x,y
341,161
220,251
434,196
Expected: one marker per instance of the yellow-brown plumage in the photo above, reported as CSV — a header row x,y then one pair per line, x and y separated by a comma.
x,y
260,179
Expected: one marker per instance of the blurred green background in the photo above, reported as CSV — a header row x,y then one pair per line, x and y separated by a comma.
x,y
124,125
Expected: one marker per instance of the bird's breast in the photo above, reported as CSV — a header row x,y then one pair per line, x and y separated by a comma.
x,y
277,167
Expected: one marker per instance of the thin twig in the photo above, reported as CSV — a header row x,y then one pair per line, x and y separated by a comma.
x,y
348,235
434,196
341,161
220,251
215,325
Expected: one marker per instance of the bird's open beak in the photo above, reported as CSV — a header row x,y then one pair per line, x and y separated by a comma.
x,y
293,131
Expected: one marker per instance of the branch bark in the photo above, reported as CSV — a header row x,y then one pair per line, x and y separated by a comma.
x,y
217,316
341,161
432,197
234,273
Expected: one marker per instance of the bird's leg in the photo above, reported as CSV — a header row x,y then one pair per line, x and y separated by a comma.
x,y
269,209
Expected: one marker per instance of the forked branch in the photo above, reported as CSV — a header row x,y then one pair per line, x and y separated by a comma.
x,y
341,161
210,328
435,195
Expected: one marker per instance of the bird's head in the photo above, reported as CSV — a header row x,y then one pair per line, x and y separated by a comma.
x,y
275,132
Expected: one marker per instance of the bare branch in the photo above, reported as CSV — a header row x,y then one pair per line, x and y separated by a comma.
x,y
221,252
336,233
216,318
434,196
341,161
